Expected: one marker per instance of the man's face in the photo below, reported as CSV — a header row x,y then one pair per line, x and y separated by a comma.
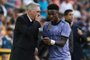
x,y
10,33
69,16
53,15
35,12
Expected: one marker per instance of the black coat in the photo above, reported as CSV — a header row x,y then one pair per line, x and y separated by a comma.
x,y
25,39
77,51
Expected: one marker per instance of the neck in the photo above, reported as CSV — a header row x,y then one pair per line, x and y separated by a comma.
x,y
68,21
56,22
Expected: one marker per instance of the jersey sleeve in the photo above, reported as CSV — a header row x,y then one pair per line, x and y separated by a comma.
x,y
66,29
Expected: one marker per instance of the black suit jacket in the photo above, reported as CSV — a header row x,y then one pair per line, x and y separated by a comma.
x,y
25,39
77,52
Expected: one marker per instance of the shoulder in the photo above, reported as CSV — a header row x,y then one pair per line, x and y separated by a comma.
x,y
64,22
3,38
46,23
21,18
65,25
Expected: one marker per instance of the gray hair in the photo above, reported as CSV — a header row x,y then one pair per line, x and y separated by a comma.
x,y
32,6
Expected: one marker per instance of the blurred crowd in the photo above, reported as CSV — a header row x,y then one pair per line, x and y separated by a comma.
x,y
11,9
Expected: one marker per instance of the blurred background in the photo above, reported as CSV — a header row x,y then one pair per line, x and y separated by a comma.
x,y
11,9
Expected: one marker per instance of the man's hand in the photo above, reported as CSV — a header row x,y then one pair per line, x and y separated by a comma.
x,y
46,40
80,32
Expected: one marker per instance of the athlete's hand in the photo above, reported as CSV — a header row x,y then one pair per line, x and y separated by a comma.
x,y
46,40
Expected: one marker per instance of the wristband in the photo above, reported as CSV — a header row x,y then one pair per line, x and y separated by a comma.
x,y
52,42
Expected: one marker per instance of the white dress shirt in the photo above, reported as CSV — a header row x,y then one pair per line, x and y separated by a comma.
x,y
29,18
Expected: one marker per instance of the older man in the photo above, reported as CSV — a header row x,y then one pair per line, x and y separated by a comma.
x,y
26,34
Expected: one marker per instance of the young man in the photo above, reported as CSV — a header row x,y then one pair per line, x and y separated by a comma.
x,y
75,36
56,35
68,15
26,34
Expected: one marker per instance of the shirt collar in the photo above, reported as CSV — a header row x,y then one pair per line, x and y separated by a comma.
x,y
29,18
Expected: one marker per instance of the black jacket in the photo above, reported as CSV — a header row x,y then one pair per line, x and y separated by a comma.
x,y
77,52
25,39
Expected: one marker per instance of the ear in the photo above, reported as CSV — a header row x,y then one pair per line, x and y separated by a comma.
x,y
29,11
